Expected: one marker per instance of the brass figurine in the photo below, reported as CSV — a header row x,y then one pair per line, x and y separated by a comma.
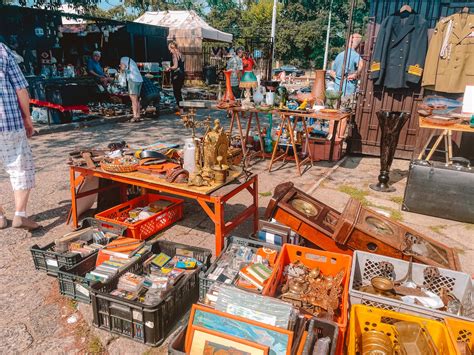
x,y
214,144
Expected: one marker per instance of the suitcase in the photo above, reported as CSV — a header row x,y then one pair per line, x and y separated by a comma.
x,y
440,190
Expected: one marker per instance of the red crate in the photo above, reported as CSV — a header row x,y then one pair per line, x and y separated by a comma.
x,y
143,229
319,149
329,263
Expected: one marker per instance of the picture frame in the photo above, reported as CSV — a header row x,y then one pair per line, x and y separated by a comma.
x,y
202,339
278,340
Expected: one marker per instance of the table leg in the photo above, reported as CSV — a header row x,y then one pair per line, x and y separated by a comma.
x,y
333,141
249,123
450,145
255,203
260,138
293,144
425,147
433,149
72,179
306,134
242,139
219,225
231,126
275,148
446,147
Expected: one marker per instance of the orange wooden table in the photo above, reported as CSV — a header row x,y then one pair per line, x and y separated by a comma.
x,y
213,204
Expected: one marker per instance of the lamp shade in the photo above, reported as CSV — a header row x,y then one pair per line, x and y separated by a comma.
x,y
248,80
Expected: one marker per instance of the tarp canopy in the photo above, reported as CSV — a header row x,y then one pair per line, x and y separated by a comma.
x,y
184,24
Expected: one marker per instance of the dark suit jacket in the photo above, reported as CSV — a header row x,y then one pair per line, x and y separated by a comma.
x,y
400,51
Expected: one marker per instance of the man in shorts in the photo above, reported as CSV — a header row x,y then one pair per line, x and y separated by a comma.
x,y
16,127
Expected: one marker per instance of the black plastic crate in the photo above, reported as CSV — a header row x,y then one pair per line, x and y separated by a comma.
x,y
72,282
46,259
205,284
144,323
319,328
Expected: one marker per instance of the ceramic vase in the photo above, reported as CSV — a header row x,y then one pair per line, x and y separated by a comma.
x,y
258,95
228,95
391,124
319,87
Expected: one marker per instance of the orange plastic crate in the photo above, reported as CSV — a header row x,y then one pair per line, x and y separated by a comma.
x,y
143,229
329,264
460,331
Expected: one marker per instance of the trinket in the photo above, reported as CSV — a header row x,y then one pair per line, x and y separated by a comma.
x,y
197,180
312,291
220,171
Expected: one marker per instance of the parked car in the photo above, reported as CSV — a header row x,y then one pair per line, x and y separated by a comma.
x,y
288,69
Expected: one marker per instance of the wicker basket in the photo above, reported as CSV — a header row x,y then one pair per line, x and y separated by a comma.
x,y
120,165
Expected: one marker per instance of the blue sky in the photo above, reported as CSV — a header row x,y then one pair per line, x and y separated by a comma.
x,y
107,4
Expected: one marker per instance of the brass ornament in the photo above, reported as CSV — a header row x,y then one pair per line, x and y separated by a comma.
x,y
312,291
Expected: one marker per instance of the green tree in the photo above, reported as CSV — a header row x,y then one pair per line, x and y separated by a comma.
x,y
118,13
257,19
226,16
305,46
163,5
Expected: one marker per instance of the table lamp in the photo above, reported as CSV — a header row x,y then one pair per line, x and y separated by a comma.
x,y
247,82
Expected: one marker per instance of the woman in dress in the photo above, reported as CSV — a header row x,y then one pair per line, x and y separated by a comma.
x,y
134,82
177,73
248,62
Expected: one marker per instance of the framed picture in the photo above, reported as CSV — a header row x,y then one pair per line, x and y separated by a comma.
x,y
277,340
209,342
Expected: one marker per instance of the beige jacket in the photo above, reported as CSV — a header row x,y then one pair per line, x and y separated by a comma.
x,y
449,63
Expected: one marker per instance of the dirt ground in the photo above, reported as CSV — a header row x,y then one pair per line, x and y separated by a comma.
x,y
37,319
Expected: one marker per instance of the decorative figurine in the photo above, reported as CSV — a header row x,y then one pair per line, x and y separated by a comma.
x,y
215,143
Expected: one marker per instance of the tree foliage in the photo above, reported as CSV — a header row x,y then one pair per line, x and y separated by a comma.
x,y
301,25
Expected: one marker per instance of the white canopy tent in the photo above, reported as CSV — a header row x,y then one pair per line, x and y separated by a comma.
x,y
189,31
184,23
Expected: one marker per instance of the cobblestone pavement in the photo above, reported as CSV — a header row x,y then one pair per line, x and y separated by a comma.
x,y
36,319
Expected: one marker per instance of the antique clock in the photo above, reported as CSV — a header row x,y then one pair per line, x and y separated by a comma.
x,y
307,216
360,228
357,228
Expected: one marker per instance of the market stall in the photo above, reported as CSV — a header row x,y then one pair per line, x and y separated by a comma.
x,y
417,77
190,32
55,48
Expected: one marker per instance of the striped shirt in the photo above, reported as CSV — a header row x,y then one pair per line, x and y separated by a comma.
x,y
11,79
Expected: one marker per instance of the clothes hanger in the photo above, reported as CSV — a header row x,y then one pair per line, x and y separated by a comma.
x,y
406,7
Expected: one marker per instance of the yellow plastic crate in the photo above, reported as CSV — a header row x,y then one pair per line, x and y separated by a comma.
x,y
461,330
363,319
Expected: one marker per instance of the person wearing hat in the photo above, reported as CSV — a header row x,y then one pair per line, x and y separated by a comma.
x,y
235,64
95,69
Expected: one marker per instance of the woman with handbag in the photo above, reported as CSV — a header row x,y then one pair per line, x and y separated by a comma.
x,y
134,82
177,73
